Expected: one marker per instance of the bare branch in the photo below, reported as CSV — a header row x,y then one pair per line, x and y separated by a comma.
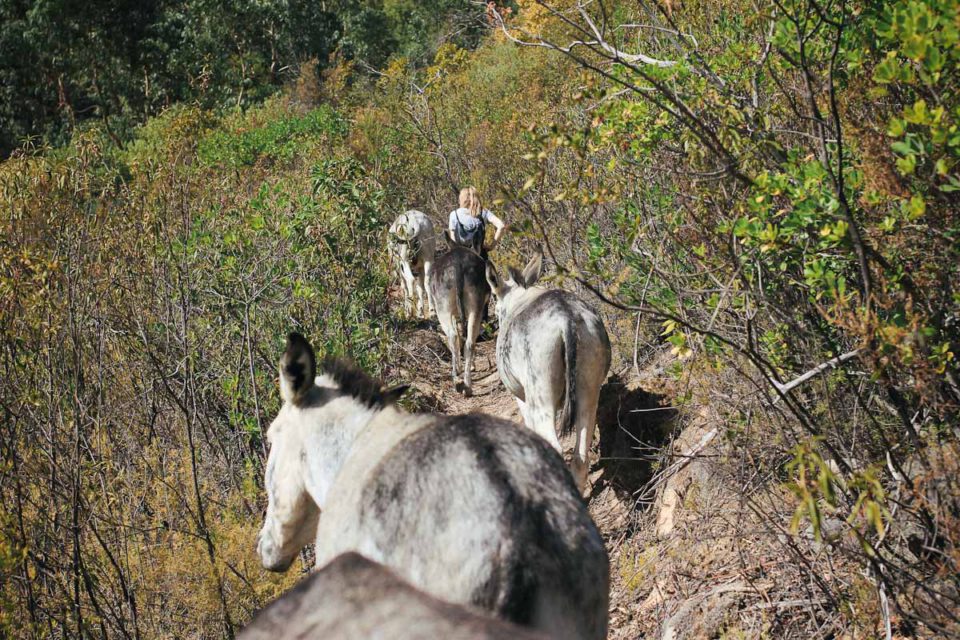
x,y
796,382
598,41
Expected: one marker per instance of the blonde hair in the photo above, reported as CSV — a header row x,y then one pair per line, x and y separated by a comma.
x,y
470,199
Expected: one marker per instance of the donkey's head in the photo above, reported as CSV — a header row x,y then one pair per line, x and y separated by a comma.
x,y
399,238
292,514
509,290
406,237
309,440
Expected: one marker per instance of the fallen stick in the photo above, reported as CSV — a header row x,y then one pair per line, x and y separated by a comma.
x,y
796,382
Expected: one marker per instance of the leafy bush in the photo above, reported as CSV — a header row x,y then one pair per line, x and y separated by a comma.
x,y
777,194
153,310
278,139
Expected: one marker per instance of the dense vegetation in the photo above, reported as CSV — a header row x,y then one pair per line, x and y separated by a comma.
x,y
63,63
770,190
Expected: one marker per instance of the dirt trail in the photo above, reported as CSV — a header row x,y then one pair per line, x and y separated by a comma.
x,y
425,361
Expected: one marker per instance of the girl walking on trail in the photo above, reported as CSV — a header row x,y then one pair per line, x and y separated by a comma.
x,y
468,223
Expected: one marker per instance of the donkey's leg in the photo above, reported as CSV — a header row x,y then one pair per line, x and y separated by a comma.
x,y
524,413
448,325
421,301
427,268
408,287
543,421
529,418
473,330
453,341
585,423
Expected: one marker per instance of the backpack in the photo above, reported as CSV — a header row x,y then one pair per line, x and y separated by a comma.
x,y
473,238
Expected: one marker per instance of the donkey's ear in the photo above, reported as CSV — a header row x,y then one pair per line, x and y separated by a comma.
x,y
298,367
493,279
531,272
393,394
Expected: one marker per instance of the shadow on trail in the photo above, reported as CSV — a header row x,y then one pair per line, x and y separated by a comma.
x,y
634,426
409,323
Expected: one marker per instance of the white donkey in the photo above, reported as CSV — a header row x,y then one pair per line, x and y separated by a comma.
x,y
353,597
553,354
469,508
412,244
460,294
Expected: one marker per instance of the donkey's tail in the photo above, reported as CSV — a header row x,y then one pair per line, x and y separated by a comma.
x,y
568,414
461,316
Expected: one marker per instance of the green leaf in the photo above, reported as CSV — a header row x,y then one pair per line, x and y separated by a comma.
x,y
916,207
896,128
903,147
907,165
888,70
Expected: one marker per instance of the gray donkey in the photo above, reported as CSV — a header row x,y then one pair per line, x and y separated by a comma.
x,y
353,597
469,508
553,354
460,294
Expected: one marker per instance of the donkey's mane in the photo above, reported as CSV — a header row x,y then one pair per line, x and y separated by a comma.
x,y
355,381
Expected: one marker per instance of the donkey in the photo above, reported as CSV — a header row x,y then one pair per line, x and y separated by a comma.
x,y
553,354
460,295
468,508
412,244
353,597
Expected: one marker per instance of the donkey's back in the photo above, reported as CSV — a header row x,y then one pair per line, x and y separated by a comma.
x,y
353,597
459,280
476,511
